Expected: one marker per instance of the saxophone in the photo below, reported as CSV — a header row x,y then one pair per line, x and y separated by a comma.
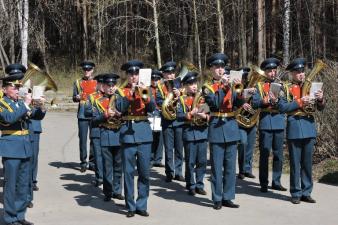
x,y
319,65
248,119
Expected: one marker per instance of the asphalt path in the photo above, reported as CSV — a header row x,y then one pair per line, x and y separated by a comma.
x,y
68,197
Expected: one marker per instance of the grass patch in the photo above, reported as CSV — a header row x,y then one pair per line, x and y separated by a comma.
x,y
326,171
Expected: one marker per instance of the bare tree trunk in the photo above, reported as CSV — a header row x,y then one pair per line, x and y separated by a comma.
x,y
242,32
300,41
197,38
220,27
85,29
274,27
126,31
100,9
286,32
23,25
157,37
311,30
261,30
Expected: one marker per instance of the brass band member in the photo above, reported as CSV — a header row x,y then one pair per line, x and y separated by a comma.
x,y
15,145
223,132
195,134
301,130
82,89
271,128
136,138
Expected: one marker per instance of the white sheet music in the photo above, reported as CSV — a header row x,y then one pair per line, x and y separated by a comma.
x,y
315,86
275,89
235,75
145,77
155,123
38,92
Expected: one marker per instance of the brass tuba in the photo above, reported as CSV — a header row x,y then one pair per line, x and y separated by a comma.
x,y
34,76
202,107
319,65
169,104
245,118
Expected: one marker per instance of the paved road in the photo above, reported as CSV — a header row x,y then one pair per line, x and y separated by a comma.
x,y
67,196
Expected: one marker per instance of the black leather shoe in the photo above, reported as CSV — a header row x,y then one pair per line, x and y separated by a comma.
x,y
118,196
35,187
158,165
230,204
201,191
142,213
308,199
264,189
179,178
168,179
217,205
241,176
295,200
192,192
130,214
98,183
30,205
25,222
249,175
107,198
83,168
278,188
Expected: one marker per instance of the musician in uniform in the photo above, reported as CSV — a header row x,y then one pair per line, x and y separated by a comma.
x,y
106,118
301,131
136,138
195,134
35,129
157,145
82,89
223,132
248,134
15,145
271,128
172,128
94,134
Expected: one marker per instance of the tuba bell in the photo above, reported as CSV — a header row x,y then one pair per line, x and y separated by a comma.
x,y
202,106
248,119
37,78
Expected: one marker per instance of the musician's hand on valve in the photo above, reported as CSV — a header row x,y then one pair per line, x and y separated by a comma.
x,y
194,111
225,79
306,100
247,107
319,95
28,99
111,112
252,90
176,92
237,81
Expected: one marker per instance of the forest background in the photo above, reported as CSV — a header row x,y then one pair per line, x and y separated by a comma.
x,y
57,35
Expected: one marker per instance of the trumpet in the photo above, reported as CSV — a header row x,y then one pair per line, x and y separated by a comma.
x,y
142,92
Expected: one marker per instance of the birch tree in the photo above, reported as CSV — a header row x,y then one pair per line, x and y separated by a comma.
x,y
286,32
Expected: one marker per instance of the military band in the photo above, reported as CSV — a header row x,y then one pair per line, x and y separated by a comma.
x,y
221,116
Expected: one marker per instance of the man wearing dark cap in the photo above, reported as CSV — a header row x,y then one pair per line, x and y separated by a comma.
x,y
223,132
195,134
95,129
136,138
171,128
157,145
271,128
108,119
248,134
15,145
301,131
82,89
